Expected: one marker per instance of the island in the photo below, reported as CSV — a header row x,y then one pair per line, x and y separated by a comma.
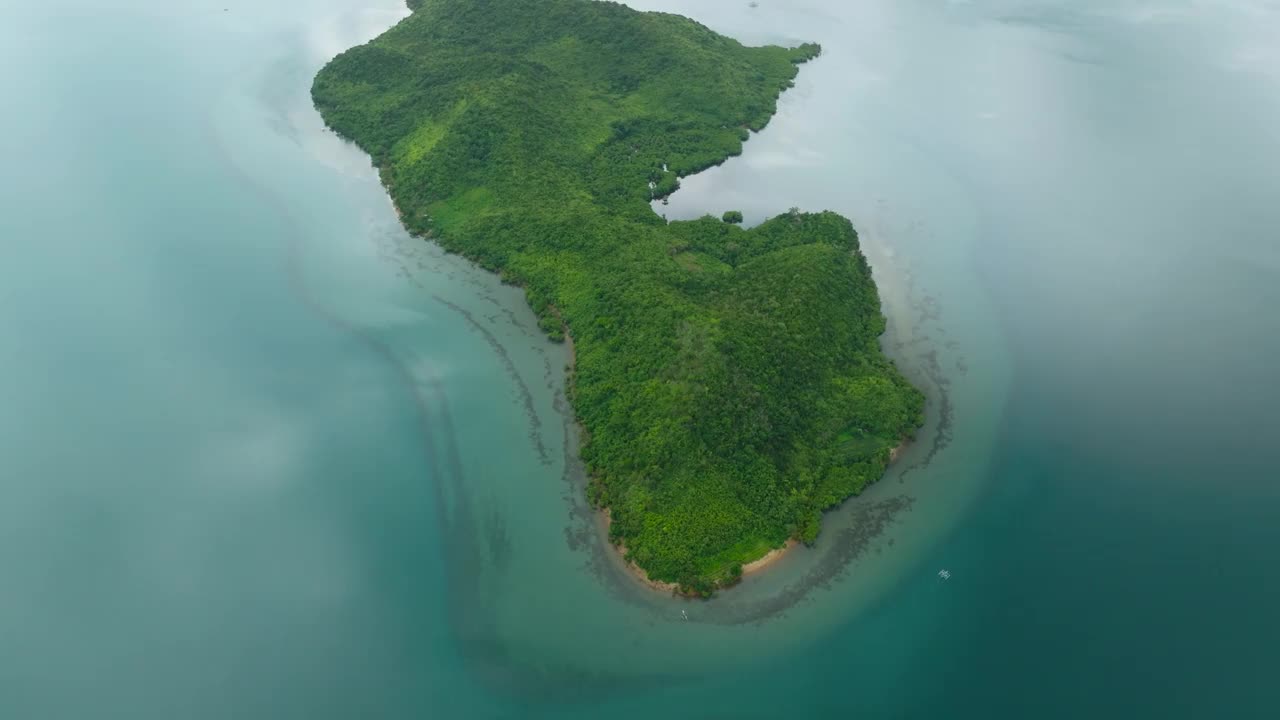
x,y
728,381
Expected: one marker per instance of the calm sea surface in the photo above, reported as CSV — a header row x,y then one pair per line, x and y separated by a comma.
x,y
262,455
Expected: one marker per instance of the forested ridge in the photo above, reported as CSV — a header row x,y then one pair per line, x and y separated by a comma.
x,y
729,381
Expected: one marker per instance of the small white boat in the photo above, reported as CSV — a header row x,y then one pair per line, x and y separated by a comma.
x,y
944,574
684,614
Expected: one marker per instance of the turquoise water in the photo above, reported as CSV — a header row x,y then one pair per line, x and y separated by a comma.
x,y
265,456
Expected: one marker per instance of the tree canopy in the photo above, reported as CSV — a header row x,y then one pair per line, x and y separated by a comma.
x,y
729,381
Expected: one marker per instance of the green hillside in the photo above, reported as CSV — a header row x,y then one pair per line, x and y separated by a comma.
x,y
729,381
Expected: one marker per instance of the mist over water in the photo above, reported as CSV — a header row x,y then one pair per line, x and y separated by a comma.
x,y
263,455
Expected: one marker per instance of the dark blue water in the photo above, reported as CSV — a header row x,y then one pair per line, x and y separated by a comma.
x,y
262,455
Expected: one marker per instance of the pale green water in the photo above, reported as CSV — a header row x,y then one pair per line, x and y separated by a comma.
x,y
264,456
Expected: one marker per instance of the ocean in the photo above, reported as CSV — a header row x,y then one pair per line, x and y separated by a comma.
x,y
264,455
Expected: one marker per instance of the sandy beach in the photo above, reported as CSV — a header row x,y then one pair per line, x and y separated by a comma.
x,y
634,570
768,558
755,566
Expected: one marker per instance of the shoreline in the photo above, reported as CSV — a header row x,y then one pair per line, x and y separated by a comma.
x,y
760,564
636,572
639,575
764,561
619,551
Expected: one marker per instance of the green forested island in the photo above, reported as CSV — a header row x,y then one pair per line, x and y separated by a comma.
x,y
729,381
